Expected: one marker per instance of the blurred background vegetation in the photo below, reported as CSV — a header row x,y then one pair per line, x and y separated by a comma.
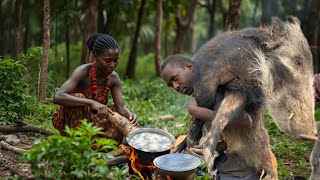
x,y
184,27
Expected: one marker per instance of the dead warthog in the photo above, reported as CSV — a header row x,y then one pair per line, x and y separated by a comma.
x,y
242,72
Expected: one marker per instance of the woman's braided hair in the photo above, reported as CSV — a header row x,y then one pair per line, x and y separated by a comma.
x,y
99,42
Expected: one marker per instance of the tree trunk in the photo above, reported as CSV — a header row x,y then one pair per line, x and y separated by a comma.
x,y
66,19
183,25
253,19
233,18
100,16
310,29
90,27
157,38
46,48
211,8
111,17
133,53
76,25
26,26
193,36
223,11
269,7
56,35
16,30
2,37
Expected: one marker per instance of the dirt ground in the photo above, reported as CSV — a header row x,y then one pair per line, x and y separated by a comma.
x,y
11,159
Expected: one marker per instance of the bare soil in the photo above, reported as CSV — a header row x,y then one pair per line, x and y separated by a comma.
x,y
11,159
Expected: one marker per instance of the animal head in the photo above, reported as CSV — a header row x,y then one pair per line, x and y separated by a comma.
x,y
286,69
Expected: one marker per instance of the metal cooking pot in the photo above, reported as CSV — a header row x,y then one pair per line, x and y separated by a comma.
x,y
146,156
177,166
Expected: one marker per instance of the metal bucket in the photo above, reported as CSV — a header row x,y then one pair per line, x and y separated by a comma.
x,y
177,166
146,156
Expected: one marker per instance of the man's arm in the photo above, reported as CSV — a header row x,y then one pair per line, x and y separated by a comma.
x,y
208,114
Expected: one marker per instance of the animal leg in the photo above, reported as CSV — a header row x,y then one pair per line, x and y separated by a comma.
x,y
231,108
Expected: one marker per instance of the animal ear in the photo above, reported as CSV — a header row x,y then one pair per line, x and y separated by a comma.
x,y
277,27
293,20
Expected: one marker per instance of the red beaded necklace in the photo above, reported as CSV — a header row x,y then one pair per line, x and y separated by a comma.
x,y
104,90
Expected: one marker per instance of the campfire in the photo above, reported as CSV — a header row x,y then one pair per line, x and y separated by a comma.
x,y
148,152
143,168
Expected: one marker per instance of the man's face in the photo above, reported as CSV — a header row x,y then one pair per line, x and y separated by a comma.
x,y
181,79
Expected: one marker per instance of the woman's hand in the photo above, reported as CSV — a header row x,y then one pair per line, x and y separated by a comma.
x,y
133,119
101,110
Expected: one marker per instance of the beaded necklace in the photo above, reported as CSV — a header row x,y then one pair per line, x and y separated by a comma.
x,y
103,90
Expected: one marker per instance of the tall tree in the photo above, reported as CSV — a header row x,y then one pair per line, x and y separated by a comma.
x,y
112,17
2,37
193,36
182,25
76,26
66,20
16,30
223,11
269,7
46,48
233,19
157,37
90,27
130,70
310,27
27,11
101,18
211,8
253,19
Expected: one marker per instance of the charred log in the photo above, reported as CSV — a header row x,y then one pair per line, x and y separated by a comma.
x,y
117,161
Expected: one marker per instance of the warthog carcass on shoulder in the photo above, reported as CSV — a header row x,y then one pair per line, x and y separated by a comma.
x,y
242,72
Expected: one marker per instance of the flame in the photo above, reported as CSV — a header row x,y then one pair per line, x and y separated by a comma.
x,y
135,164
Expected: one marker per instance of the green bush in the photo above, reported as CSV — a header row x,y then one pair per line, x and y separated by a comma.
x,y
72,157
32,60
39,113
13,96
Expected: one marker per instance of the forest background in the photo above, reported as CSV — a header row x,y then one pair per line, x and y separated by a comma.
x,y
42,42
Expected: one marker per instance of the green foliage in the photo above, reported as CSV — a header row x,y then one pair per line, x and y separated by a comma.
x,y
13,91
292,156
72,157
32,60
39,113
154,99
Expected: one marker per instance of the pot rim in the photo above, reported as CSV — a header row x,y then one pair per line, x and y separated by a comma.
x,y
174,162
151,130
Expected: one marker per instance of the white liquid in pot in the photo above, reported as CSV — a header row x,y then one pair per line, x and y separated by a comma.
x,y
150,142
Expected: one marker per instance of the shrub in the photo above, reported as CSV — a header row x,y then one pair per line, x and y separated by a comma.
x,y
71,157
13,91
32,60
